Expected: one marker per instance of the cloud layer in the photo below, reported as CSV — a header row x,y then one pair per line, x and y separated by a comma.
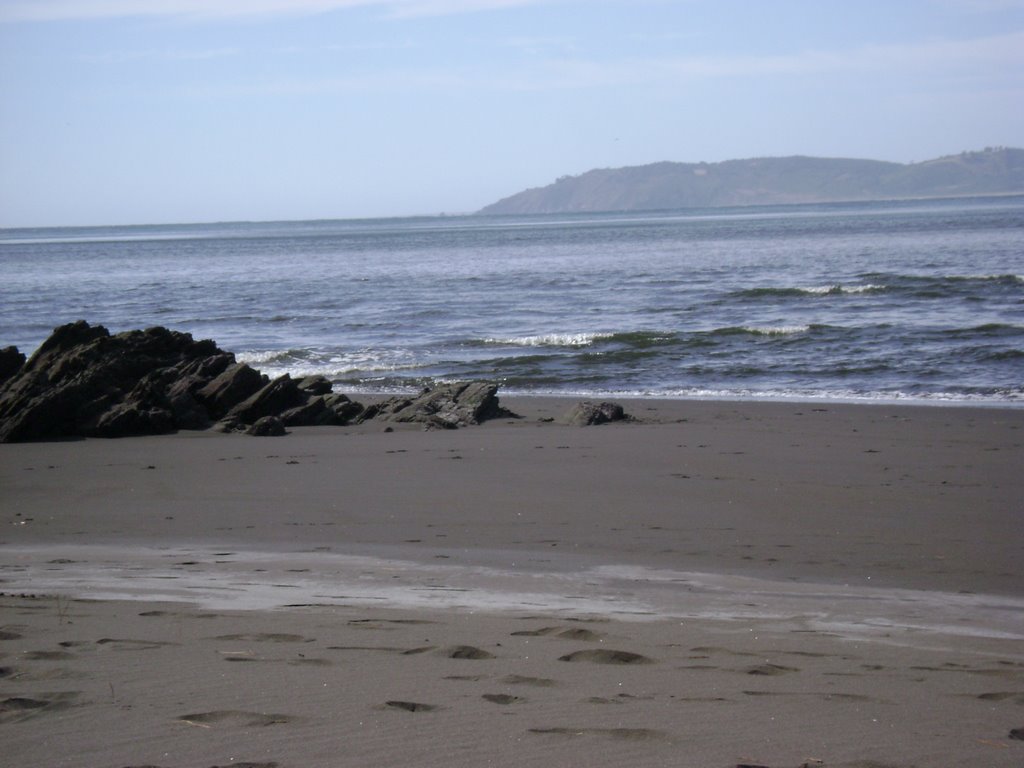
x,y
59,10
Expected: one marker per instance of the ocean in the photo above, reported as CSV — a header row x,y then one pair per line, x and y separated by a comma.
x,y
918,300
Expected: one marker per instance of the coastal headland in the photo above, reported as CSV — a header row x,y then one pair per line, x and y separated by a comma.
x,y
706,584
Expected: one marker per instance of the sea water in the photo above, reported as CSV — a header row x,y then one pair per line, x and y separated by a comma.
x,y
915,300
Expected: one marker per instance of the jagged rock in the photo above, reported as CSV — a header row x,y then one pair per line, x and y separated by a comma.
x,y
145,410
312,413
194,375
267,426
445,406
322,410
130,419
230,387
316,385
586,414
11,361
276,397
84,381
344,410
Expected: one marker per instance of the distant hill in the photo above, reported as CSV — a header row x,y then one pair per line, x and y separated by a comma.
x,y
771,180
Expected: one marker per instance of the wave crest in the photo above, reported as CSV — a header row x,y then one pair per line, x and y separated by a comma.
x,y
809,291
550,340
767,330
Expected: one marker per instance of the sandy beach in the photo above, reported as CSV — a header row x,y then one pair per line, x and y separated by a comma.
x,y
714,584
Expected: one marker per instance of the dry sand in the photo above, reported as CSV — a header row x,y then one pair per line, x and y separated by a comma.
x,y
719,584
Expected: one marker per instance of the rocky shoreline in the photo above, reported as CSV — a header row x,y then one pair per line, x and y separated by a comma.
x,y
84,381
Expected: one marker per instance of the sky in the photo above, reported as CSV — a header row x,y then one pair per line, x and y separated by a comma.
x,y
162,111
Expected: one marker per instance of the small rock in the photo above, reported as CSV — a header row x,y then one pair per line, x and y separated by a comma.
x,y
587,414
267,426
445,406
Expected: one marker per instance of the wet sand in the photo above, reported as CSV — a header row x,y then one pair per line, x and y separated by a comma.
x,y
714,584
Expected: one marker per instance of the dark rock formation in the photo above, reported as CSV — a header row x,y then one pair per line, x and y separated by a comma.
x,y
231,386
446,406
11,361
267,426
316,385
83,381
279,395
586,414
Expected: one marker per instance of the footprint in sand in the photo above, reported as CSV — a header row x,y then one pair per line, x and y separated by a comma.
x,y
383,623
1011,696
501,698
178,614
538,682
47,655
234,717
606,656
566,634
410,706
465,652
18,708
383,649
119,644
769,670
265,637
623,734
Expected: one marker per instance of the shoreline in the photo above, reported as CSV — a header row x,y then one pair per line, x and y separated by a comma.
x,y
937,401
715,584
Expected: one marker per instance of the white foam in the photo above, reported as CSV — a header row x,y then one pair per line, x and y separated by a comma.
x,y
777,330
824,290
551,340
301,363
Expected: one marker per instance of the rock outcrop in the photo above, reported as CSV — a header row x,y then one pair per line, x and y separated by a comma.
x,y
587,414
11,361
85,382
446,406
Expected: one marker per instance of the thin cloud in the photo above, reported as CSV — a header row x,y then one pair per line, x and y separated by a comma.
x,y
1002,53
412,8
62,10
944,59
121,57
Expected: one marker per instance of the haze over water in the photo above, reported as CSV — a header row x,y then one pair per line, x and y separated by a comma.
x,y
870,300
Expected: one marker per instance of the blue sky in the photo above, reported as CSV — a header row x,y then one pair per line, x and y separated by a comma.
x,y
151,111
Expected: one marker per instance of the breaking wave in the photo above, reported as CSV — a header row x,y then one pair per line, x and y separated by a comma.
x,y
810,292
549,340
